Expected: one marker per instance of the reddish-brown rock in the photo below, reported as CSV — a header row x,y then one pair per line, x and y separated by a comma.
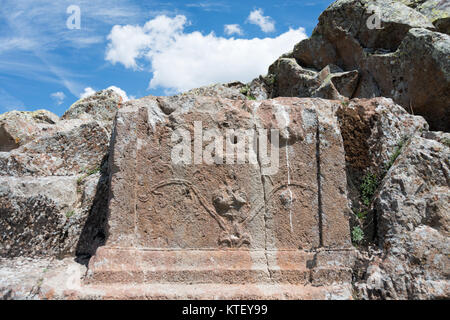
x,y
247,222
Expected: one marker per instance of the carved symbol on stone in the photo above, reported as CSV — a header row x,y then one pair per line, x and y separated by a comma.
x,y
225,210
228,209
229,205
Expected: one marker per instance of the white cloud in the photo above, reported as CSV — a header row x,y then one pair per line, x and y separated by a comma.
x,y
41,24
58,97
89,92
209,6
265,23
230,29
120,92
181,61
127,43
32,31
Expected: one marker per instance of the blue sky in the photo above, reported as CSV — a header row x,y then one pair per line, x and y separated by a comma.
x,y
139,48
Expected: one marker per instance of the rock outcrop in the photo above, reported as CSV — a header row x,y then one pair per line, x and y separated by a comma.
x,y
412,208
17,127
101,106
279,224
401,56
437,11
55,180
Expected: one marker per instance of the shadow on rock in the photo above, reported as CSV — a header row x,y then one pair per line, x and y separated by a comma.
x,y
94,232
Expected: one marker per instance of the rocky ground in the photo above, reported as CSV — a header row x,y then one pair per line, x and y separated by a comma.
x,y
388,90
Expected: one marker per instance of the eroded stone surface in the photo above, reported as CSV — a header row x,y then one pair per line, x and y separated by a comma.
x,y
224,223
53,182
75,148
101,106
236,231
412,209
403,57
20,127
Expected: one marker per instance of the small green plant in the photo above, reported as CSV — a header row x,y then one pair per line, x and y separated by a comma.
x,y
446,141
93,171
357,235
70,214
80,180
270,79
361,214
368,187
396,153
88,173
244,90
345,103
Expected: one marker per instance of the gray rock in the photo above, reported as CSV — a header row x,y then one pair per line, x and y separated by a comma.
x,y
417,75
374,132
53,182
437,11
354,17
412,209
403,57
101,106
292,80
20,127
34,213
232,90
76,148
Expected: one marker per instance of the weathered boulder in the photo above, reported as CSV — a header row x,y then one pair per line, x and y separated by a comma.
x,y
354,18
417,75
220,224
101,106
412,208
255,90
437,11
232,90
76,148
34,214
55,181
49,192
374,132
294,81
19,127
401,57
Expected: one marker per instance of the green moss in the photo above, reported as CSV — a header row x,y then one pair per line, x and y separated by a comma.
x,y
40,282
270,79
437,14
93,171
